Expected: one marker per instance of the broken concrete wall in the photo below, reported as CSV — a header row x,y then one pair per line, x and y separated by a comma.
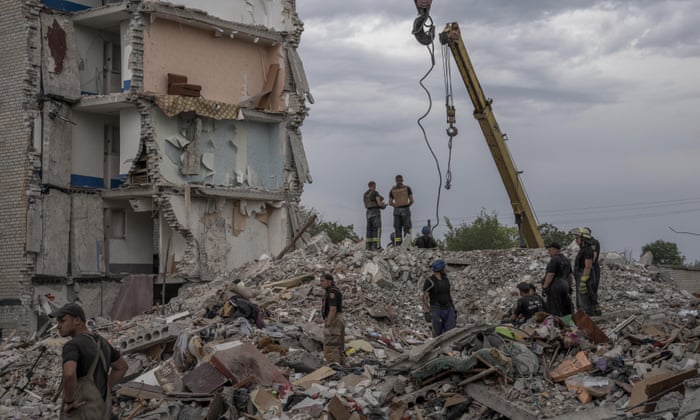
x,y
229,153
97,296
229,233
55,217
60,58
228,70
20,44
88,160
56,147
686,278
129,239
87,236
253,12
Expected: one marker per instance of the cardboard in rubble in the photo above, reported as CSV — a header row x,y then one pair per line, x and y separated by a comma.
x,y
654,385
315,377
336,410
265,402
570,367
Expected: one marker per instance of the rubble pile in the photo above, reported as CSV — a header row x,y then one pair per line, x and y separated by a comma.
x,y
249,345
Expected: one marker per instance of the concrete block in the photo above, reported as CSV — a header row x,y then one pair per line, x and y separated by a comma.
x,y
147,337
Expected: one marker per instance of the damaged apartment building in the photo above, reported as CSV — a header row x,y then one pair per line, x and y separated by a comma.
x,y
144,144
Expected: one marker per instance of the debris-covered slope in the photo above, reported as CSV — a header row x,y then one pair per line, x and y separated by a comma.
x,y
187,360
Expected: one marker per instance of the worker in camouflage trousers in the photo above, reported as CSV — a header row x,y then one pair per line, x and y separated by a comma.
x,y
333,322
374,203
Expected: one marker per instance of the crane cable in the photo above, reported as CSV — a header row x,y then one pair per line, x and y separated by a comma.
x,y
451,112
422,26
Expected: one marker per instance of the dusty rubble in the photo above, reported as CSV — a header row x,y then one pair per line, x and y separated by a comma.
x,y
187,361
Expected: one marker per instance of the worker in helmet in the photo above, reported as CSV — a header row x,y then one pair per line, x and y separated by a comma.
x,y
437,299
374,203
595,276
583,271
401,199
425,240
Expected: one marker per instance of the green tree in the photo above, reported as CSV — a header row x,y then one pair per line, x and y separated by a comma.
x,y
486,232
665,253
335,231
551,233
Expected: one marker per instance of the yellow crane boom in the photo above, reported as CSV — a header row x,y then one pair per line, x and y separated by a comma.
x,y
524,216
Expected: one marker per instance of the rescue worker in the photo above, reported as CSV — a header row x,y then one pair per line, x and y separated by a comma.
x,y
401,198
425,240
528,304
374,203
558,282
583,269
333,322
437,299
91,367
595,277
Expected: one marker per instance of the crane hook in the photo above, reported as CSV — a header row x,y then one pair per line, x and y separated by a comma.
x,y
423,26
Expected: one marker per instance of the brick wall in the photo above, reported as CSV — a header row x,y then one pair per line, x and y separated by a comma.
x,y
19,78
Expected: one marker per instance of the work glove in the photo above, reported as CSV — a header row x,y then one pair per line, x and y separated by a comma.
x,y
428,317
583,285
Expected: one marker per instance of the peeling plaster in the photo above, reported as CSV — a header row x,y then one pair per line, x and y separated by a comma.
x,y
57,45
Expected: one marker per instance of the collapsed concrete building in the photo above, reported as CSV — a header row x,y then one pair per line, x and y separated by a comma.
x,y
144,139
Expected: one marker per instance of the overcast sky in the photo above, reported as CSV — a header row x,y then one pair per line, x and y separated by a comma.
x,y
600,101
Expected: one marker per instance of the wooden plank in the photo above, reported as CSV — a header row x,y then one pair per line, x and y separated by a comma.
x,y
497,403
176,78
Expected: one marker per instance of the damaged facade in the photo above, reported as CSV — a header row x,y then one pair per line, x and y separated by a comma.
x,y
144,138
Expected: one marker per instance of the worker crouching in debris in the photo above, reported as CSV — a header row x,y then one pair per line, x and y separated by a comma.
x,y
558,282
87,359
333,322
437,299
528,304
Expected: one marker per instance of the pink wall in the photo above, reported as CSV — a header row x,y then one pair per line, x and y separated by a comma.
x,y
227,69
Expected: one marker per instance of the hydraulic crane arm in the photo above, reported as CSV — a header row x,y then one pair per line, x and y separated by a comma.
x,y
524,216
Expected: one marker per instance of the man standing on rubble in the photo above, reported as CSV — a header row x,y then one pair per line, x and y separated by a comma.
x,y
583,270
595,276
374,203
558,282
91,367
333,322
437,299
401,198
